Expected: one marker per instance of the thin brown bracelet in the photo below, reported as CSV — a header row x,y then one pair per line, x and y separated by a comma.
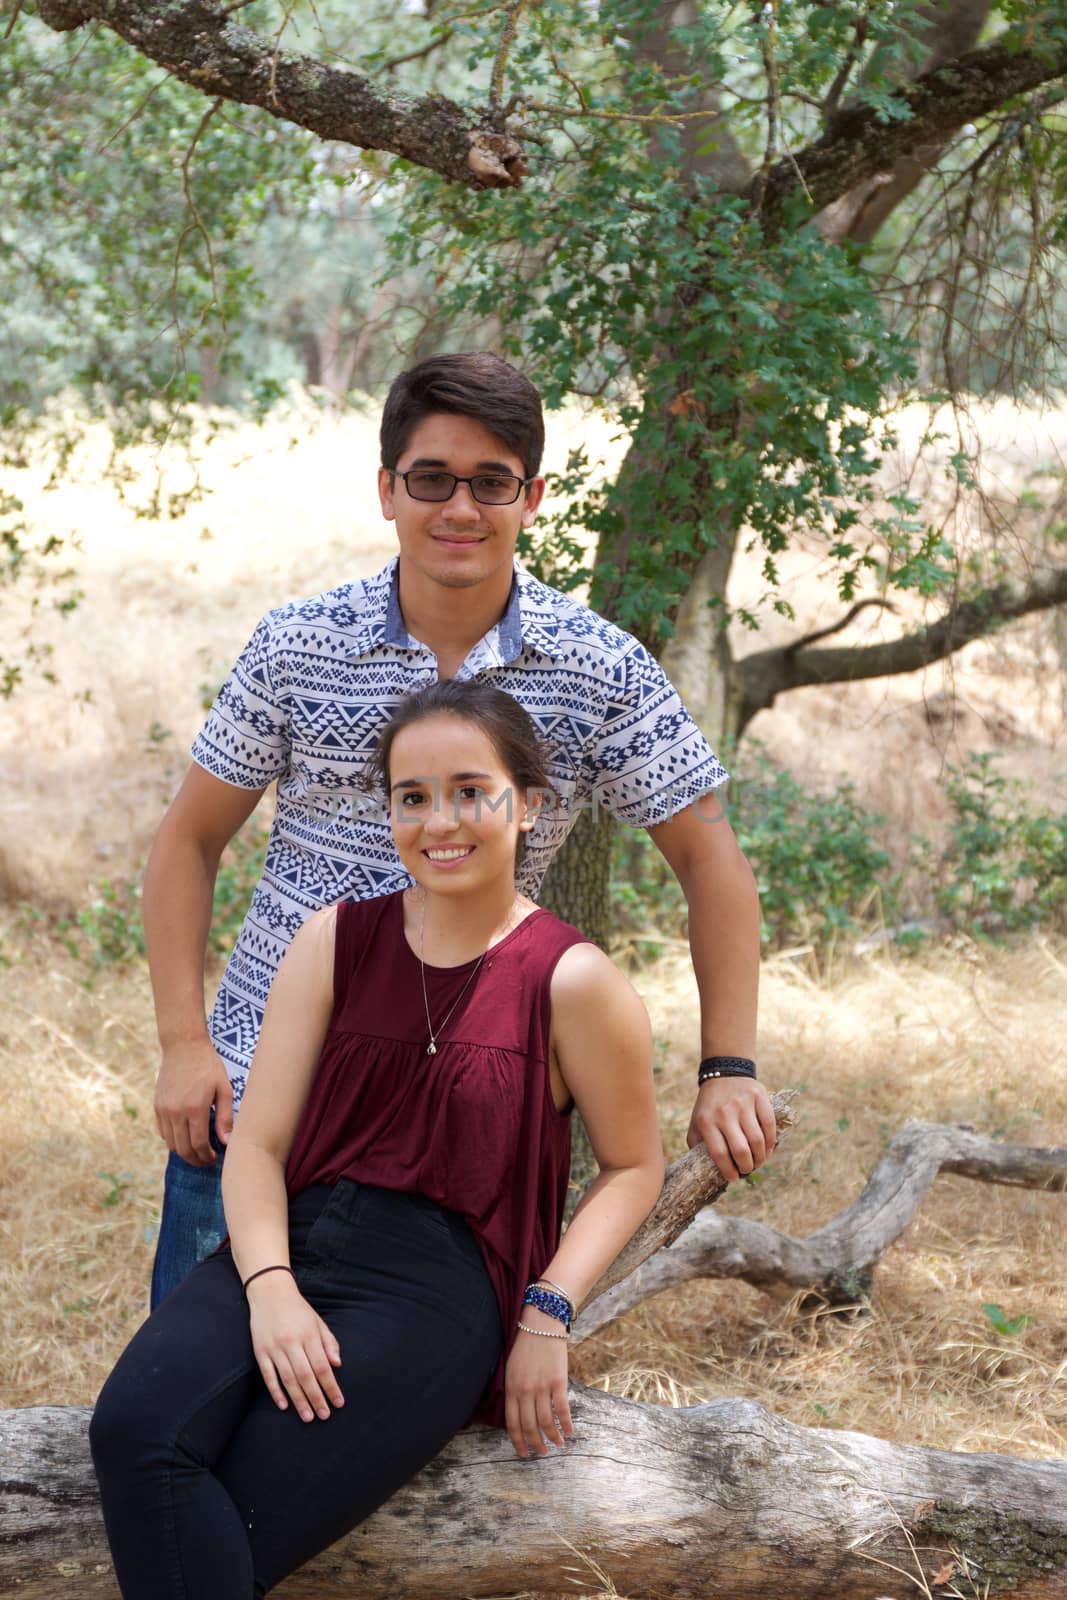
x,y
542,1333
280,1267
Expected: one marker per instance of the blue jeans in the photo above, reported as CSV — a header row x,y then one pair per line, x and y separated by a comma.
x,y
192,1223
209,1491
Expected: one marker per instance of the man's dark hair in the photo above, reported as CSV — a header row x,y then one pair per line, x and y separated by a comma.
x,y
471,383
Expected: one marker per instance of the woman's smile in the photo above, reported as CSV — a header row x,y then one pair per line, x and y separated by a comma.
x,y
453,800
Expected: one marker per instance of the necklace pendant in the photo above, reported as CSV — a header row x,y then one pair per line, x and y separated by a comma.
x,y
431,1049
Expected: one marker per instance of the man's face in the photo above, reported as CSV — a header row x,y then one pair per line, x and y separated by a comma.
x,y
457,543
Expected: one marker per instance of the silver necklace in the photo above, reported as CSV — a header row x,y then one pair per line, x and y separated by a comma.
x,y
435,1033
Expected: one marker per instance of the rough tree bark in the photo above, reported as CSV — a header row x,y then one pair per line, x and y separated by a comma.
x,y
952,31
857,145
722,1499
575,885
200,43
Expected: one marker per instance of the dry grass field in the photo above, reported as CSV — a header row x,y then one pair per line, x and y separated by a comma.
x,y
969,1035
965,1033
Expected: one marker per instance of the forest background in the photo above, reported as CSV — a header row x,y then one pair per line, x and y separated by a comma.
x,y
789,276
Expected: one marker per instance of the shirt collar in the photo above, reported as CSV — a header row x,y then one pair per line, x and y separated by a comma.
x,y
524,625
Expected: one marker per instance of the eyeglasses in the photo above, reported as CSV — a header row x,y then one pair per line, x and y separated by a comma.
x,y
488,488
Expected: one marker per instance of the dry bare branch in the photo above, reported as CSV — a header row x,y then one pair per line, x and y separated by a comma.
x,y
765,674
836,1262
691,1183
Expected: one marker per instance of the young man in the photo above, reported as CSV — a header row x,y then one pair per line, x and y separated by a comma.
x,y
462,437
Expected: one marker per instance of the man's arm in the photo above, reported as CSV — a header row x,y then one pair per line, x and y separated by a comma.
x,y
179,886
733,1116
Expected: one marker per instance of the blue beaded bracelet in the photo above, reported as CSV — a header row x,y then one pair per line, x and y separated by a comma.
x,y
552,1304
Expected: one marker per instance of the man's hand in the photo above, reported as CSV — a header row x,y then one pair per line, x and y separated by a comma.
x,y
735,1120
191,1080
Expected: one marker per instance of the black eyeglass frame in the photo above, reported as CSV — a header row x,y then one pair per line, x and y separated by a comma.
x,y
440,500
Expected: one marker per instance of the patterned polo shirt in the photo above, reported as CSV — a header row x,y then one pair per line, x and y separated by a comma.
x,y
308,697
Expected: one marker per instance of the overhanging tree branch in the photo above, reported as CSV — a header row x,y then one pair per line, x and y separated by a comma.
x,y
203,46
952,31
858,146
768,673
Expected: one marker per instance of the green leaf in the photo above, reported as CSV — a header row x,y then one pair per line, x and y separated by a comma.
x,y
1004,1325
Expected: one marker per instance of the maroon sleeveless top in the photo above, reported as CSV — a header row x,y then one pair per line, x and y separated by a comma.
x,y
473,1127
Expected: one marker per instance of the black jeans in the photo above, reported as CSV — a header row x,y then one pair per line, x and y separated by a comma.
x,y
209,1491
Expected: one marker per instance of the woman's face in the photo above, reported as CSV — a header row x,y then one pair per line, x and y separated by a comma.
x,y
456,812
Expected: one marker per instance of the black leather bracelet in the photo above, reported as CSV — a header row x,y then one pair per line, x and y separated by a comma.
x,y
725,1067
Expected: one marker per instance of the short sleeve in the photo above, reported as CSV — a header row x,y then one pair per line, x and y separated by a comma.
x,y
245,740
650,760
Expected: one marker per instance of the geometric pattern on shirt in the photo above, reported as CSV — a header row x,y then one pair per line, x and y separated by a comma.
x,y
303,707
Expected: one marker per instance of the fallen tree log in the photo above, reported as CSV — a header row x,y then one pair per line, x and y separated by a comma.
x,y
720,1502
716,1502
837,1262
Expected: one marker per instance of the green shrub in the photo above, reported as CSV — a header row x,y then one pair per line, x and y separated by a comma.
x,y
820,870
646,897
109,931
816,861
823,872
1004,868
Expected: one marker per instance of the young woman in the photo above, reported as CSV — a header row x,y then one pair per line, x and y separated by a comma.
x,y
394,1192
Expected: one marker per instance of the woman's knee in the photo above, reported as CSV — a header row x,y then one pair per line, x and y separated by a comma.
x,y
124,1427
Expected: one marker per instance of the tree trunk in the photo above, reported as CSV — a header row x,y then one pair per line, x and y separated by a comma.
x,y
338,352
577,884
697,657
577,887
210,374
722,1500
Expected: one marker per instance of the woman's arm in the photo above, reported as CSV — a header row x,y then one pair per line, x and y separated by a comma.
x,y
602,1044
295,1349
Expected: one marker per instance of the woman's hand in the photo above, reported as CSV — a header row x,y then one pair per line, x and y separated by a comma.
x,y
295,1349
535,1385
